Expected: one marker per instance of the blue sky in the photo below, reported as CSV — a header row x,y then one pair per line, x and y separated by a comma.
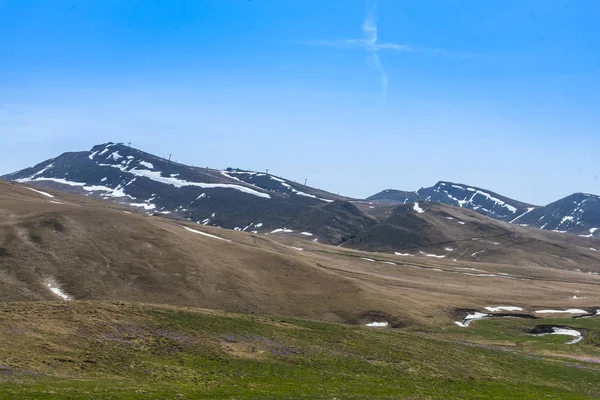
x,y
355,96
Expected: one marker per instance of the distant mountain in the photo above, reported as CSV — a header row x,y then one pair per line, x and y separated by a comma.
x,y
484,201
393,196
234,199
578,214
264,203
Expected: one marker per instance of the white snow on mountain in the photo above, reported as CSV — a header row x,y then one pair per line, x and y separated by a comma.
x,y
417,208
147,164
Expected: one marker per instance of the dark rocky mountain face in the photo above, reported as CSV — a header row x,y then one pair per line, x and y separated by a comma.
x,y
578,214
263,203
234,199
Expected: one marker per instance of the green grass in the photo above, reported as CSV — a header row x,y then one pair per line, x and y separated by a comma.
x,y
83,350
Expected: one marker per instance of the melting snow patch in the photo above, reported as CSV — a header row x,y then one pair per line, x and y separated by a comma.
x,y
431,255
470,318
57,180
40,192
56,202
115,156
569,311
461,222
403,254
298,248
378,324
307,234
147,164
367,259
259,225
388,262
58,292
206,234
448,249
157,177
418,209
477,252
564,331
529,209
503,308
145,206
282,230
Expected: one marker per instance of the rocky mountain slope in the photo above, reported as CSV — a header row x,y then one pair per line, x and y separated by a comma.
x,y
578,214
233,199
262,203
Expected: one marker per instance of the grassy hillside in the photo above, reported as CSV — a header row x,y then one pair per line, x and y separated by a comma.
x,y
84,350
95,250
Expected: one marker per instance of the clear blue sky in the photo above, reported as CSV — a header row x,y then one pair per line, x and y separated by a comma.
x,y
357,97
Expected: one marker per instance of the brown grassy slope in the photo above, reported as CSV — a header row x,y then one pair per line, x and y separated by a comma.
x,y
472,237
93,250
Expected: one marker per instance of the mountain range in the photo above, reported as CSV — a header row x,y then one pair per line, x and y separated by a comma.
x,y
578,213
263,203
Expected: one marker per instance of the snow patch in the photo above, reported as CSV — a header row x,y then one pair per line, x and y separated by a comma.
x,y
431,255
503,308
206,234
378,324
115,156
418,209
147,164
529,209
282,230
40,192
564,331
145,206
470,318
569,311
157,177
57,291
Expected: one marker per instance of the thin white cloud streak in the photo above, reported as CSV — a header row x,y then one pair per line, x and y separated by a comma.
x,y
369,43
369,29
